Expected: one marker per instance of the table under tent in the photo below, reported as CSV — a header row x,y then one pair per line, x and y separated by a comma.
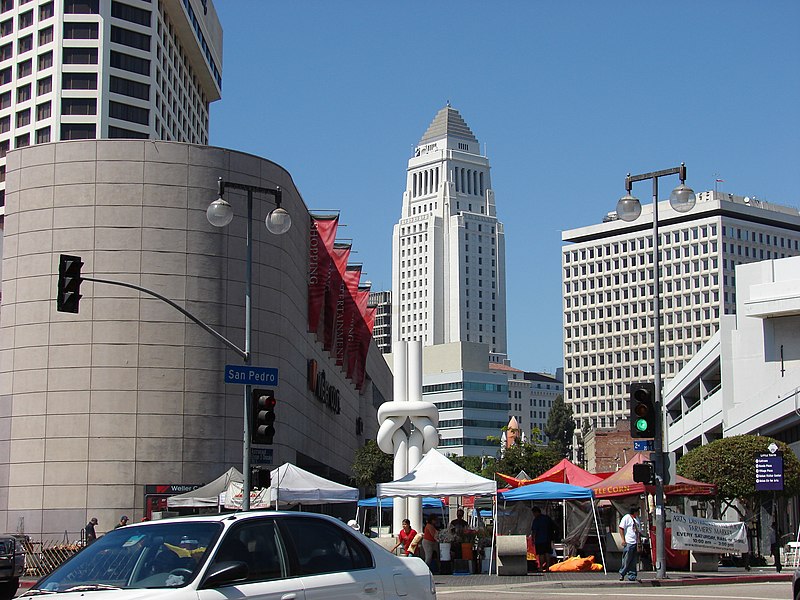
x,y
437,476
579,526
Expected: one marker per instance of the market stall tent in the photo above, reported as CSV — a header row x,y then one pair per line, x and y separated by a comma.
x,y
562,472
207,495
293,485
621,484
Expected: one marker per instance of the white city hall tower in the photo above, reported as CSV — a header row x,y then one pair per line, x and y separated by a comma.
x,y
448,249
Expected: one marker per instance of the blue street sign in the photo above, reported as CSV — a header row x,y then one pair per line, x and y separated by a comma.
x,y
769,472
247,375
643,445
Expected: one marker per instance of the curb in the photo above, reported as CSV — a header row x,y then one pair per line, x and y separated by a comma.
x,y
716,580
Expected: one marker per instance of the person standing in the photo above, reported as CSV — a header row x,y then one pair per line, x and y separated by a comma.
x,y
774,545
430,541
630,529
123,520
405,537
89,531
543,532
458,526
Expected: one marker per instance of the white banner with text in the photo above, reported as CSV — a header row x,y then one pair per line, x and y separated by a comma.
x,y
704,535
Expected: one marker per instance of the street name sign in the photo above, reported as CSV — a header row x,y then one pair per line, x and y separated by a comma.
x,y
248,375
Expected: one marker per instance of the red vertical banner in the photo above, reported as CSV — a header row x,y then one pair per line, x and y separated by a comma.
x,y
357,326
333,291
346,311
322,236
364,339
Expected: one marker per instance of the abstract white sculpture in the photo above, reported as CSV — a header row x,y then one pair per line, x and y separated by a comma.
x,y
393,436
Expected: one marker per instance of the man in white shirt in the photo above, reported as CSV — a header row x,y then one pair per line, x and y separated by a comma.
x,y
630,528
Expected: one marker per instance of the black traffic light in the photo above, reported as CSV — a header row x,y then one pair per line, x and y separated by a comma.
x,y
69,283
263,415
260,478
643,410
644,473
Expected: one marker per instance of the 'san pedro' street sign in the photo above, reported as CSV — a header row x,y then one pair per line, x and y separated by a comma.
x,y
248,375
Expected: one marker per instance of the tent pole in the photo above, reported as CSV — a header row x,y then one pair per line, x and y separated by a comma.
x,y
599,538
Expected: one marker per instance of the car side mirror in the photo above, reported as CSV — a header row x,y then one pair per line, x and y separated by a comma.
x,y
225,572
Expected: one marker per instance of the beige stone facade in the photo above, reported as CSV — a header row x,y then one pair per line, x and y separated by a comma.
x,y
129,392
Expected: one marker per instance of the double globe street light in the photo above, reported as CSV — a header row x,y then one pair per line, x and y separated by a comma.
x,y
278,222
682,200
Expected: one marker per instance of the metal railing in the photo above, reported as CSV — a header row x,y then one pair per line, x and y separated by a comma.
x,y
41,558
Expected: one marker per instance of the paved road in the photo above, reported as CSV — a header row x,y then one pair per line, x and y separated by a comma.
x,y
781,590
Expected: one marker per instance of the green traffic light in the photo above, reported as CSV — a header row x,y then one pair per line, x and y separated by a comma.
x,y
641,424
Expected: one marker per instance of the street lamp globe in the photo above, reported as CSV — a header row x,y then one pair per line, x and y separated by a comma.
x,y
278,221
219,213
682,198
629,208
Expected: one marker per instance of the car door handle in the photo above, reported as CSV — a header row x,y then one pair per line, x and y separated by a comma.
x,y
291,596
371,588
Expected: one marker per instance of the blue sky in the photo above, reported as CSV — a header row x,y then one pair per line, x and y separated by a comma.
x,y
567,98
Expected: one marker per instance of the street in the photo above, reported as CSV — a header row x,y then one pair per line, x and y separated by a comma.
x,y
742,591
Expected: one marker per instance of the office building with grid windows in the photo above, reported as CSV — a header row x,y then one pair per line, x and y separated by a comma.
x,y
93,69
608,291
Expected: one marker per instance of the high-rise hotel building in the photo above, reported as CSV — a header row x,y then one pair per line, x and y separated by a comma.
x,y
608,291
448,284
448,250
90,69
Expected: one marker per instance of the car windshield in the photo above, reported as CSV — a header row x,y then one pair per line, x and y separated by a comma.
x,y
143,556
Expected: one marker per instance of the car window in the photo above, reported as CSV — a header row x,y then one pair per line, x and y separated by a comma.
x,y
322,547
3,549
255,543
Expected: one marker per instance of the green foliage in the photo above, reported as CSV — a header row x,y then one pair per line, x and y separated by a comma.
x,y
730,464
473,464
372,466
534,461
560,428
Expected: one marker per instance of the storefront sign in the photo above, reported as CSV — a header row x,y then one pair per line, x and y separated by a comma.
x,y
703,535
322,390
769,472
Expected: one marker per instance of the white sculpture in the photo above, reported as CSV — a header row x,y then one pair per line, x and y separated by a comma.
x,y
393,437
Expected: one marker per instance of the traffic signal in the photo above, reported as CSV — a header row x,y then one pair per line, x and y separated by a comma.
x,y
263,415
260,478
69,283
644,473
643,410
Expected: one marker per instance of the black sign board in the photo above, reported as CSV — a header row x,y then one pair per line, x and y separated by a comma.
x,y
769,472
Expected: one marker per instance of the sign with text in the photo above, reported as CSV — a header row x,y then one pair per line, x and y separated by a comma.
x,y
643,445
248,375
704,535
261,456
769,471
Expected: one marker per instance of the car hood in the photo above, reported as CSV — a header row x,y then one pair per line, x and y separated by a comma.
x,y
129,594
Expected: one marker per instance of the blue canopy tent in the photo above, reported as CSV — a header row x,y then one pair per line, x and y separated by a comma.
x,y
427,502
548,490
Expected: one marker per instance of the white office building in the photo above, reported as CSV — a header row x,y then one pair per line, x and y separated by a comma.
x,y
608,291
94,69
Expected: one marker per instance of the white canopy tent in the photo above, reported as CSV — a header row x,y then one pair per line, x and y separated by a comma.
x,y
293,485
207,496
437,475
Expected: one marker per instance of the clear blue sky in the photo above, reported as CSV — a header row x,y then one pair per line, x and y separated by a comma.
x,y
568,97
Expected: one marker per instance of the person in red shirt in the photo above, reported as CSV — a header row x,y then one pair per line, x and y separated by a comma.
x,y
405,537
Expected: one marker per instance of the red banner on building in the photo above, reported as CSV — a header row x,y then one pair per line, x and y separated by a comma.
x,y
355,331
323,234
340,255
346,310
364,339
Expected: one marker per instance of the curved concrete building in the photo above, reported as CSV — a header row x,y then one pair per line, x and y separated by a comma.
x,y
96,406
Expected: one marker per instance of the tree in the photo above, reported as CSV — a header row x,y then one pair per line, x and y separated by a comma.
x,y
730,464
473,464
560,428
523,457
372,466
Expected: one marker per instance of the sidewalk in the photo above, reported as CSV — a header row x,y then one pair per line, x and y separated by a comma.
x,y
725,575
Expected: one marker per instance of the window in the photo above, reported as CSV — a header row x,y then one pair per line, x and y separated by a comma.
x,y
325,548
45,36
78,131
42,111
44,86
43,135
130,13
80,56
24,93
127,62
46,11
81,7
45,60
4,145
5,124
79,106
126,112
122,133
7,27
23,117
257,544
79,81
22,140
5,100
6,5
26,19
25,68
127,87
130,38
6,51
80,31
25,44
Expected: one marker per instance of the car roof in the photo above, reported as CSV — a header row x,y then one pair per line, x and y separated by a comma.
x,y
238,516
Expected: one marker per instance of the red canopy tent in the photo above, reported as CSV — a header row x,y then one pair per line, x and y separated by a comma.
x,y
563,472
621,484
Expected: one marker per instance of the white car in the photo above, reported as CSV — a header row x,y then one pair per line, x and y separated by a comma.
x,y
259,554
